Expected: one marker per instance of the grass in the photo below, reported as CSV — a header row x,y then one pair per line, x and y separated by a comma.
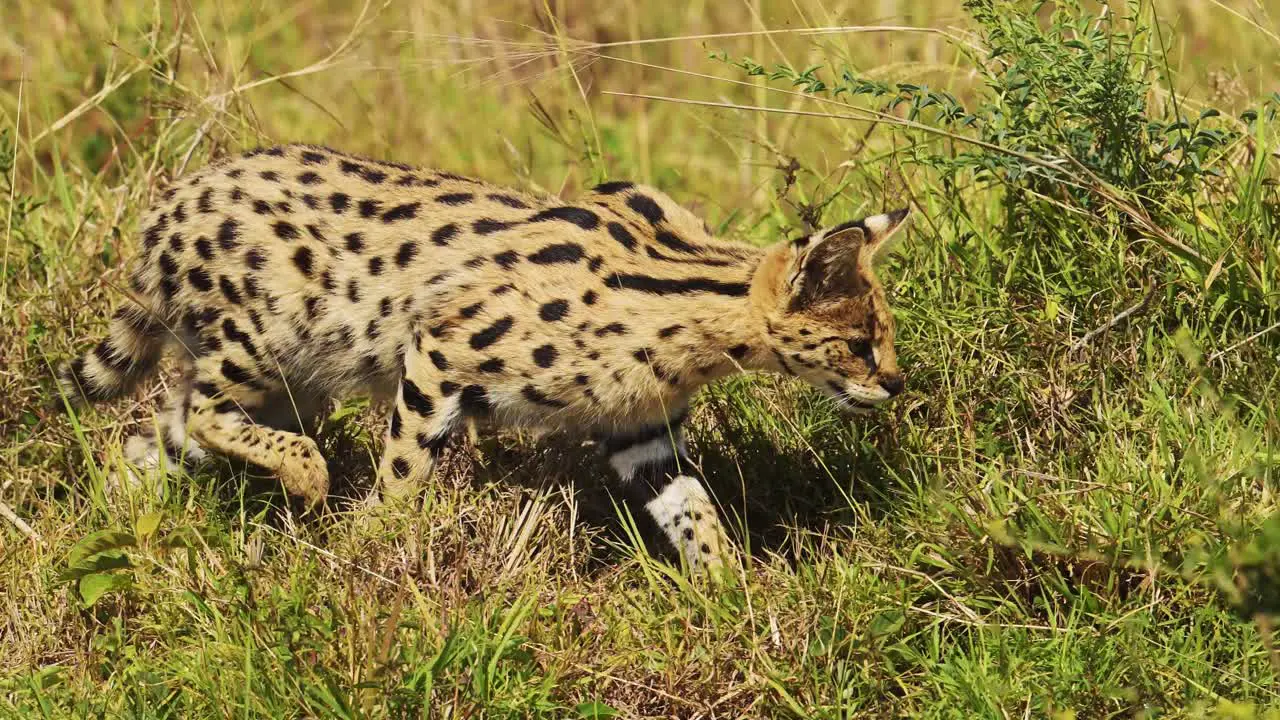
x,y
1071,513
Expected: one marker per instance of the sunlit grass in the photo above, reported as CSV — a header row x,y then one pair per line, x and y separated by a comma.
x,y
1089,435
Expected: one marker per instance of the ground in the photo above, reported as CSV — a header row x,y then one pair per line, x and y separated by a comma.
x,y
1069,512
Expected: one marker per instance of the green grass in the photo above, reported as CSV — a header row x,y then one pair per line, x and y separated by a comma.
x,y
1061,517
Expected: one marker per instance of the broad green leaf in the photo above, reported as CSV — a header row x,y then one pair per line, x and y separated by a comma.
x,y
148,524
94,586
594,710
98,542
887,623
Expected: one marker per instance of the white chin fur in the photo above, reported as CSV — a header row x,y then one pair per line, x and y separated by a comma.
x,y
860,400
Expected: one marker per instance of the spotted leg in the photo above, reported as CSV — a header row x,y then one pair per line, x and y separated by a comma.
x,y
224,398
656,474
426,413
165,446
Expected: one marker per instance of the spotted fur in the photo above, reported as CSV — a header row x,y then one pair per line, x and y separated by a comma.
x,y
293,274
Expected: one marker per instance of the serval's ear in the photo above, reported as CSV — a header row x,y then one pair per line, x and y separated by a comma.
x,y
825,265
883,237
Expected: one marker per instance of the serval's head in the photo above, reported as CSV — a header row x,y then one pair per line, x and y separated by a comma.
x,y
824,311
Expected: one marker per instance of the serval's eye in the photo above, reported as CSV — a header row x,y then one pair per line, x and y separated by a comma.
x,y
861,348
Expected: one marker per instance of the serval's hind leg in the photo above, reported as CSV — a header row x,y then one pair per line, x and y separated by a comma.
x,y
656,475
164,447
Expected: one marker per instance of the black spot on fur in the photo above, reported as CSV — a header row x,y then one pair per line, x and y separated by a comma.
x,y
400,467
310,201
438,359
229,291
284,231
508,200
581,217
554,310
696,259
488,226
622,235
589,297
674,242
396,424
269,175
474,400
443,234
315,232
308,178
670,286
545,356
205,202
559,253
415,399
255,259
407,211
488,336
384,307
228,234
613,188
369,208
581,379
595,263
647,208
448,388
375,266
302,259
311,157
504,289
475,262
355,242
371,330
405,254
339,202
179,213
471,310
455,199
234,334
152,236
262,207
204,248
168,265
506,259
492,365
234,373
737,352
536,397
612,329
670,330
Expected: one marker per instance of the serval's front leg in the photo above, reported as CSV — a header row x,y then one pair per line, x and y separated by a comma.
x,y
426,413
657,475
